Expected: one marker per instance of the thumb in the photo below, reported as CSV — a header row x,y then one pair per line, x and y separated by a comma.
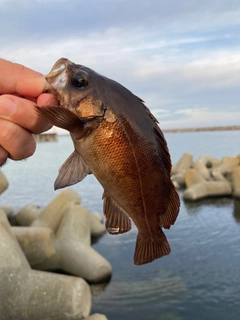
x,y
21,112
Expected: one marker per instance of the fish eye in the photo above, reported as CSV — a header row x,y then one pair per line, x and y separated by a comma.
x,y
79,80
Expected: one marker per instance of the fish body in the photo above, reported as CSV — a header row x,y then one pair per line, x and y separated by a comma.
x,y
117,139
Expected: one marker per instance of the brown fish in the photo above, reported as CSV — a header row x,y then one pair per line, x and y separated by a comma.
x,y
118,140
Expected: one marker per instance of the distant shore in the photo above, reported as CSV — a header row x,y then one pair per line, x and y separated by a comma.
x,y
219,128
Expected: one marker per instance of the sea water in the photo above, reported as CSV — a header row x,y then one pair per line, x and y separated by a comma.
x,y
199,280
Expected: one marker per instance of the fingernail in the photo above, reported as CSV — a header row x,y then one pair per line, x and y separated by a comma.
x,y
7,107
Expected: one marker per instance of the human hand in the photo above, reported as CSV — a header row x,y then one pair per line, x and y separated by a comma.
x,y
20,89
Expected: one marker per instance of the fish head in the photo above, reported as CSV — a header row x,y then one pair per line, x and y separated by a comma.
x,y
75,88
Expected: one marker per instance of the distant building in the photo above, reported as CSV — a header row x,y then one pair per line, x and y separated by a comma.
x,y
50,135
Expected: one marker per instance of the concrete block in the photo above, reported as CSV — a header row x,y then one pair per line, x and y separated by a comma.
x,y
207,189
52,215
3,182
27,215
38,244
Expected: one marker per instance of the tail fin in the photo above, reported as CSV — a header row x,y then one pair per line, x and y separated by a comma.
x,y
149,249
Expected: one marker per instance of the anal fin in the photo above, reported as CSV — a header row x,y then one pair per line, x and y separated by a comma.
x,y
72,171
117,220
150,248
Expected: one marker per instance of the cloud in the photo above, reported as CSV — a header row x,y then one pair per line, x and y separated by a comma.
x,y
175,55
203,117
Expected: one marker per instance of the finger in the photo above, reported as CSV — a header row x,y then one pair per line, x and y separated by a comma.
x,y
16,141
22,112
3,156
47,99
20,80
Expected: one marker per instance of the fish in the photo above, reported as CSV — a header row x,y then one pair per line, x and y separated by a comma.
x,y
118,140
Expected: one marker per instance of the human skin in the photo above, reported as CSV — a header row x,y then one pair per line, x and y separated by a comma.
x,y
20,89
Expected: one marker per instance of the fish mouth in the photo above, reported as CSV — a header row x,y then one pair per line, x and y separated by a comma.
x,y
57,77
59,67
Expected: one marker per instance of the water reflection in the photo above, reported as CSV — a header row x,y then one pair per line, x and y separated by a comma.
x,y
98,288
161,291
236,211
193,208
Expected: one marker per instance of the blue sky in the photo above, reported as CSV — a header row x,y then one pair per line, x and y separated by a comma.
x,y
181,57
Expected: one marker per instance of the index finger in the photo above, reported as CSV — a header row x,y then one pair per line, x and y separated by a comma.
x,y
17,79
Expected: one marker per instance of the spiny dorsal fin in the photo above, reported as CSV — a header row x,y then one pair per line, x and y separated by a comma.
x,y
162,144
117,220
72,171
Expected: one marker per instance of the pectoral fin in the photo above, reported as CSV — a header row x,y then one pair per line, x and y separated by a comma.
x,y
72,171
117,220
63,118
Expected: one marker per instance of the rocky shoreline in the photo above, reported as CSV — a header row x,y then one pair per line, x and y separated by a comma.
x,y
207,177
36,242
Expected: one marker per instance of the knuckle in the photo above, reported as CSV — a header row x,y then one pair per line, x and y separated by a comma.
x,y
8,132
3,156
18,142
31,148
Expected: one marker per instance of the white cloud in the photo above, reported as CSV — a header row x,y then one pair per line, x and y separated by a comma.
x,y
196,67
116,53
201,117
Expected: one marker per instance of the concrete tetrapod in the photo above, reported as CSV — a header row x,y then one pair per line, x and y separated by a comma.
x,y
201,167
207,189
52,215
192,176
97,227
235,176
8,210
97,316
29,213
28,294
38,244
179,169
74,253
25,216
3,182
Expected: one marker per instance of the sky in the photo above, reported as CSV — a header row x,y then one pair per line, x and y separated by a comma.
x,y
182,57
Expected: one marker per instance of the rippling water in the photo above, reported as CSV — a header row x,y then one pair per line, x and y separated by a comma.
x,y
199,280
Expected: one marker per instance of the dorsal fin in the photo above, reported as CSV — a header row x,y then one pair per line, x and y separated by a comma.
x,y
170,215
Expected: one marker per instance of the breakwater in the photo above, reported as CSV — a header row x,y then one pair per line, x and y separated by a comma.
x,y
207,176
46,137
218,128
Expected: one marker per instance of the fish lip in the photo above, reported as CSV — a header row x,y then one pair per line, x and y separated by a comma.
x,y
58,68
50,89
60,65
55,71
